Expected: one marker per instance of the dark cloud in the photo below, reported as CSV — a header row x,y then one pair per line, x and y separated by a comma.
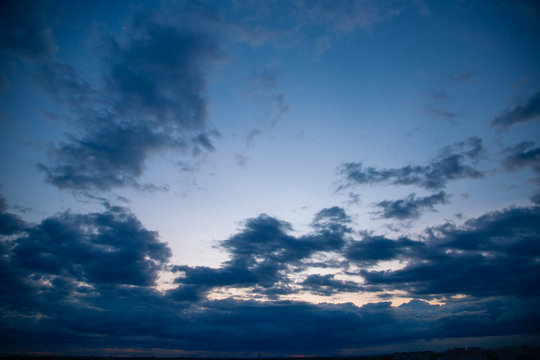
x,y
150,98
106,157
327,285
9,223
411,207
71,273
266,236
82,283
523,155
451,164
23,32
68,88
373,249
261,254
334,218
101,248
528,111
495,254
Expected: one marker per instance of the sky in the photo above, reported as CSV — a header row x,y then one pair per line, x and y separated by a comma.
x,y
235,178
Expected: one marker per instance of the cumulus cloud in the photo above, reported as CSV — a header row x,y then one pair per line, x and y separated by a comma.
x,y
101,248
262,252
411,207
528,111
451,164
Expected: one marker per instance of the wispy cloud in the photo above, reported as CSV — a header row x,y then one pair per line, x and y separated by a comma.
x,y
528,111
411,207
451,164
523,155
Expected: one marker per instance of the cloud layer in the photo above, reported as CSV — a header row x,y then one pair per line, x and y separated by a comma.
x,y
90,279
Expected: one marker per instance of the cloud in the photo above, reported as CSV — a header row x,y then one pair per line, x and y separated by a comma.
x,y
347,16
100,248
90,279
72,272
105,157
262,252
523,155
411,207
492,255
449,165
326,285
443,113
151,98
67,87
528,111
334,218
9,224
374,249
23,32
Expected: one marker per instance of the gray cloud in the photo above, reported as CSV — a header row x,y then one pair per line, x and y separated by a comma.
x,y
23,33
73,276
451,164
373,249
528,111
101,248
411,207
523,155
151,97
326,285
494,254
262,252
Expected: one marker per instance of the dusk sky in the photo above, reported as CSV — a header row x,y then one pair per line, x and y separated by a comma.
x,y
234,178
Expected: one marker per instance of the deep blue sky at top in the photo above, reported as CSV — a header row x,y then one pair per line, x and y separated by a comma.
x,y
327,159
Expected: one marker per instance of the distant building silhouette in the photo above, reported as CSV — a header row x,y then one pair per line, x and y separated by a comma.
x,y
518,353
414,355
471,353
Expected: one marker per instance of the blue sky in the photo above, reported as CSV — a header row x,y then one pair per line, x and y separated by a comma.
x,y
284,178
